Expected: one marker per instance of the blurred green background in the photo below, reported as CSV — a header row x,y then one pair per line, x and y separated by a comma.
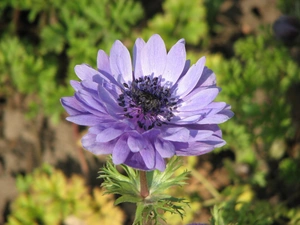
x,y
254,179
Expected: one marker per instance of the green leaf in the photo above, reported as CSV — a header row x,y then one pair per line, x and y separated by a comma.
x,y
128,198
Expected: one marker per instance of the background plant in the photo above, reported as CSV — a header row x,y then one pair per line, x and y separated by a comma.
x,y
42,41
47,196
49,40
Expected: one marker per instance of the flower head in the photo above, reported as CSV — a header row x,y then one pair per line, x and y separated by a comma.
x,y
287,28
152,108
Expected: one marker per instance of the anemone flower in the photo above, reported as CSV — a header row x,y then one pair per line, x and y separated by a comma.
x,y
148,109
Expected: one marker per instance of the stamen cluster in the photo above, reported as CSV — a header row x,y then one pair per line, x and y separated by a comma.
x,y
148,102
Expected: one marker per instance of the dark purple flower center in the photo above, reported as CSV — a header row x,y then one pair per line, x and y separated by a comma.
x,y
147,102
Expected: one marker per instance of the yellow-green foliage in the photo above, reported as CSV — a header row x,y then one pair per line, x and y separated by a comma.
x,y
194,205
242,207
48,197
180,19
38,56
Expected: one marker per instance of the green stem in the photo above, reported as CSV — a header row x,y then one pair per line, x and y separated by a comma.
x,y
144,185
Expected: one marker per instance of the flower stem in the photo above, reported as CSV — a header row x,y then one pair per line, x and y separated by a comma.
x,y
144,185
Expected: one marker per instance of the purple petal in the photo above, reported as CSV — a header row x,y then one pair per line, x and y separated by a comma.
x,y
137,51
151,135
199,135
211,127
109,100
199,100
89,142
160,163
85,72
120,63
113,89
71,105
90,86
135,160
211,109
103,63
176,134
186,68
136,142
90,104
203,116
121,151
187,83
176,60
220,117
165,148
187,120
196,148
154,56
85,119
76,85
207,79
148,156
108,134
214,141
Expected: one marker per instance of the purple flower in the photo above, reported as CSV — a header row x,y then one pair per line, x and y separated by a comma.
x,y
151,109
287,28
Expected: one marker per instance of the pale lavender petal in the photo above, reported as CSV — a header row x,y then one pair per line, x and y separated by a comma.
x,y
72,106
90,86
199,135
187,120
136,142
211,109
186,84
137,58
185,114
154,56
165,148
199,100
214,141
176,134
211,127
120,63
85,72
186,68
108,100
195,148
108,134
176,60
120,151
135,160
148,156
113,89
103,63
217,118
89,142
217,105
76,85
220,144
91,104
160,163
207,79
85,119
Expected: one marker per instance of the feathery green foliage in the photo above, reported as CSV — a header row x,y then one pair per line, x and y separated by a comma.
x,y
38,52
47,197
